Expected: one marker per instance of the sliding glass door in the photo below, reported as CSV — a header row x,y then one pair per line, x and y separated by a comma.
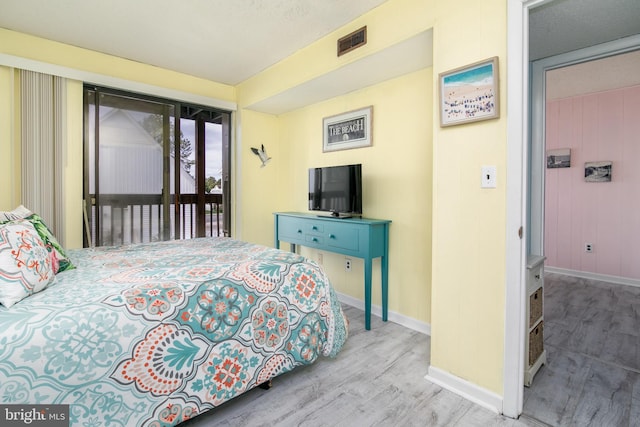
x,y
203,212
154,169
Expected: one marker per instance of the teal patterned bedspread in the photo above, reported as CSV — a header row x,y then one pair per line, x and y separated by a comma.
x,y
154,334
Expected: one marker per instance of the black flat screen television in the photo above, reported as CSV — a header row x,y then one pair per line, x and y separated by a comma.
x,y
336,189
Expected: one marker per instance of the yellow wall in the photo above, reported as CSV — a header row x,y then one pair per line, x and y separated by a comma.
x,y
454,279
58,54
397,171
469,222
396,183
258,193
388,24
50,52
9,152
463,296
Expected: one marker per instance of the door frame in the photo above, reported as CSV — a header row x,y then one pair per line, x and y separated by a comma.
x,y
167,108
538,112
525,178
516,232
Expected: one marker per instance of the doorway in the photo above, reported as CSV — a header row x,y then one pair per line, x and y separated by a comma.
x,y
201,208
521,155
154,169
591,343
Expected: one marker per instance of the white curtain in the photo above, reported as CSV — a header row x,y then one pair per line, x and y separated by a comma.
x,y
43,111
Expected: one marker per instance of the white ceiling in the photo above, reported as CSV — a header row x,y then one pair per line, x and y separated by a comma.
x,y
226,41
562,26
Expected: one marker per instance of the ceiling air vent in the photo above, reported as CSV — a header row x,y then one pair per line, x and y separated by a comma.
x,y
352,41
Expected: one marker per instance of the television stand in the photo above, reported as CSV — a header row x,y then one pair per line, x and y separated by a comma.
x,y
356,237
337,215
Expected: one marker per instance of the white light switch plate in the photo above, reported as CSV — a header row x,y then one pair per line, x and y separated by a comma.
x,y
488,177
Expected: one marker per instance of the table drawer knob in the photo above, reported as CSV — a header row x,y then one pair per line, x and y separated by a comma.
x,y
332,236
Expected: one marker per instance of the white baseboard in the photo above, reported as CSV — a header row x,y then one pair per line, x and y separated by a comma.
x,y
481,396
593,276
376,310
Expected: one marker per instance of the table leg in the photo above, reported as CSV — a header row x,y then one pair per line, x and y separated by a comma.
x,y
384,261
367,293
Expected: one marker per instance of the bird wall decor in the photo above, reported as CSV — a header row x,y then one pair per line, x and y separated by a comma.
x,y
264,158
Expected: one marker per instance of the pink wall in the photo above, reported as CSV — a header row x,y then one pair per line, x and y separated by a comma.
x,y
596,127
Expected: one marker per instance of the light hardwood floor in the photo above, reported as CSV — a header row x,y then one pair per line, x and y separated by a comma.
x,y
592,337
377,380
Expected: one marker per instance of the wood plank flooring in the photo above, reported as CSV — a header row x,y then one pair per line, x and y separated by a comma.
x,y
592,375
377,380
592,338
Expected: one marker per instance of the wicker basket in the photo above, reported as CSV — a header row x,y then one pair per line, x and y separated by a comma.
x,y
536,345
535,307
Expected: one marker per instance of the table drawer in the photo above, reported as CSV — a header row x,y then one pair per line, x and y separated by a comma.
x,y
313,227
343,236
535,277
313,240
353,237
291,229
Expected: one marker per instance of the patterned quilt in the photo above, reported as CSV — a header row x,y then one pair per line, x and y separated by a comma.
x,y
154,334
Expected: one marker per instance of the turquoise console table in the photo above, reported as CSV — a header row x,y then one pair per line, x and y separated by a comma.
x,y
356,237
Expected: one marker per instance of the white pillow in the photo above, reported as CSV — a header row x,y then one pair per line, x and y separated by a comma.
x,y
25,262
18,213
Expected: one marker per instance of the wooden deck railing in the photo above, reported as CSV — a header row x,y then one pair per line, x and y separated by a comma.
x,y
138,218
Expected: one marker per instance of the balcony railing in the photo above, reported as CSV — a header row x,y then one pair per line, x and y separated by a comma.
x,y
138,218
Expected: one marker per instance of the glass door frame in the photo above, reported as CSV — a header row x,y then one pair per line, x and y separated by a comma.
x,y
167,198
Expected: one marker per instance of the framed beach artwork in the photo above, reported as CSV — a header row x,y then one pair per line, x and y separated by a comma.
x,y
347,130
469,93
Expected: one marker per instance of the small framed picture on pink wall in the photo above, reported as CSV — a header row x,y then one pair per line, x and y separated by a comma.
x,y
560,158
597,171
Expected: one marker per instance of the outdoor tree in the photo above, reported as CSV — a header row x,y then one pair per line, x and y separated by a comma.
x,y
210,183
153,123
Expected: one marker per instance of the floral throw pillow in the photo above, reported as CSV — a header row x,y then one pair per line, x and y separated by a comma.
x,y
61,261
25,263
60,258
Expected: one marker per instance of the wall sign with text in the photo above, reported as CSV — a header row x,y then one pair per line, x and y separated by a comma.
x,y
347,130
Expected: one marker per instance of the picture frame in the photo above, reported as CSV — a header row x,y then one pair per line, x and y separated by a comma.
x,y
348,130
470,93
559,158
597,171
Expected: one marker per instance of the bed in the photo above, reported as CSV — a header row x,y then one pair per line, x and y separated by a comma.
x,y
155,334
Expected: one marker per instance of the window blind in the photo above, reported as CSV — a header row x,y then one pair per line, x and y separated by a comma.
x,y
43,136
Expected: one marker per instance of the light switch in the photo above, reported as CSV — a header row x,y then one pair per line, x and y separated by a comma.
x,y
488,177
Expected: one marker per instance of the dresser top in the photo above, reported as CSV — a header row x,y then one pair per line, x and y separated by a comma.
x,y
328,217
